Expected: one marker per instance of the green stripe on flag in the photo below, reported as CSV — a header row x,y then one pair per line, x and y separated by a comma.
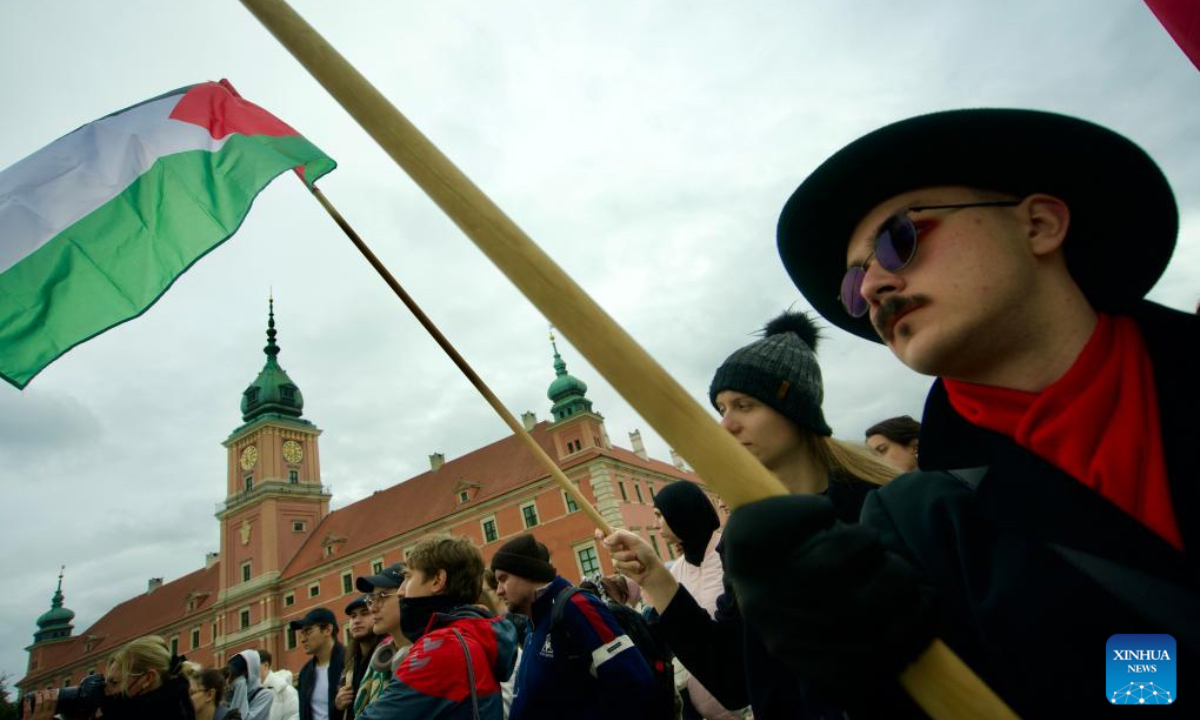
x,y
113,264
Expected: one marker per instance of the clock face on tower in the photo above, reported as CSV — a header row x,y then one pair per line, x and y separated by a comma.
x,y
249,457
292,451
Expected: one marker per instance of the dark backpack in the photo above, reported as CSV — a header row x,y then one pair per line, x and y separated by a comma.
x,y
658,656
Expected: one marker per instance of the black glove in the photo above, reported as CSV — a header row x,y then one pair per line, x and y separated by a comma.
x,y
825,597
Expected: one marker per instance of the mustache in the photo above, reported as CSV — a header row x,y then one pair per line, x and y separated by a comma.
x,y
890,308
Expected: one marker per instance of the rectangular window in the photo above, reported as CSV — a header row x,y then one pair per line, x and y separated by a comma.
x,y
314,589
175,645
637,488
298,526
244,619
294,477
290,639
624,495
195,638
654,542
670,550
489,530
289,599
67,681
347,583
651,486
529,513
214,633
463,496
249,483
376,567
246,572
588,562
570,502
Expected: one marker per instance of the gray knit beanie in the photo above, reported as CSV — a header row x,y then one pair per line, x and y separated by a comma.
x,y
779,370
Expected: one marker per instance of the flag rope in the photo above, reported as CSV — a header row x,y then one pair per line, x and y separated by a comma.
x,y
938,680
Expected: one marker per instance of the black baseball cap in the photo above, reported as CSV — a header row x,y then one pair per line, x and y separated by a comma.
x,y
358,603
391,576
316,616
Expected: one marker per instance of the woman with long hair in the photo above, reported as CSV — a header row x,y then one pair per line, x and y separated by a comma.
x,y
769,395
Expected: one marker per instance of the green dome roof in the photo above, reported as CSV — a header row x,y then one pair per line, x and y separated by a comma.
x,y
567,392
56,622
272,392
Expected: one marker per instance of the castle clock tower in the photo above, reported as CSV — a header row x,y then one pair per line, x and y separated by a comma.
x,y
274,499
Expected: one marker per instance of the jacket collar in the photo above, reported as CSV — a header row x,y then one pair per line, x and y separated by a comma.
x,y
1025,493
544,601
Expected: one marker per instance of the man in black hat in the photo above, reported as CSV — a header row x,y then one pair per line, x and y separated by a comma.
x,y
318,632
1007,253
602,676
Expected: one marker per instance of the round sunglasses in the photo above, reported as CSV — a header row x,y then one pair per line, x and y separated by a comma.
x,y
895,247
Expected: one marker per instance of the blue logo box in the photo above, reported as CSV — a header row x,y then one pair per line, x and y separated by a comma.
x,y
1140,670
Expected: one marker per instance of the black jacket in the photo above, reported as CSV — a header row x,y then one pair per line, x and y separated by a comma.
x,y
1030,622
308,680
733,664
171,701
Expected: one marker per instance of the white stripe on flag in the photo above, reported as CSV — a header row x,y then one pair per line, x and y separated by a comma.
x,y
62,183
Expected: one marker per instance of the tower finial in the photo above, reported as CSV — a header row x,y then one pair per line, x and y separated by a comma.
x,y
271,349
560,367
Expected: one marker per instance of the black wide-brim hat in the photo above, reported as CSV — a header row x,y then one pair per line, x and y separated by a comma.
x,y
1124,220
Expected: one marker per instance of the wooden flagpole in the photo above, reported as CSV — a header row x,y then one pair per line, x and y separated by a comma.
x,y
517,428
939,681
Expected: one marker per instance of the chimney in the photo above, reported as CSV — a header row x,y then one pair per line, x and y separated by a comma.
x,y
530,419
677,460
436,461
211,559
635,439
154,584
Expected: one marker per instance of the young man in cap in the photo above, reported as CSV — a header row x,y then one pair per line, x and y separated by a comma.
x,y
318,631
460,653
603,676
362,644
383,594
1008,253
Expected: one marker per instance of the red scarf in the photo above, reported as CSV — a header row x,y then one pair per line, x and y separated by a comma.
x,y
1098,423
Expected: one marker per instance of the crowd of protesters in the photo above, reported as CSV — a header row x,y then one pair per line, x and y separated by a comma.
x,y
973,245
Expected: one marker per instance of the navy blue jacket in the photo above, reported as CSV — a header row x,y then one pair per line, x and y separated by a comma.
x,y
612,680
308,681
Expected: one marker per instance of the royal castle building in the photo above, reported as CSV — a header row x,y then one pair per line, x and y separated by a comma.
x,y
284,552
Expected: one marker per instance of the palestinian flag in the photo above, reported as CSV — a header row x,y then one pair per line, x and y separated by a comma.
x,y
96,226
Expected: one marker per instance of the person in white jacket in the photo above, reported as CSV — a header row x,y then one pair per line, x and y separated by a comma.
x,y
246,693
686,518
286,705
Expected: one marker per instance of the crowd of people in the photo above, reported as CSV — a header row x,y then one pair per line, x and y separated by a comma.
x,y
1047,479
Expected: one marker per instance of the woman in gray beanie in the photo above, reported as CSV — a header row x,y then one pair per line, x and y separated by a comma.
x,y
769,395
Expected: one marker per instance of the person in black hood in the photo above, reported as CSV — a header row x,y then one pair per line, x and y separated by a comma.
x,y
686,518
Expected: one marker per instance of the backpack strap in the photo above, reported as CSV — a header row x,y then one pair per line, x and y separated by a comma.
x,y
556,615
470,673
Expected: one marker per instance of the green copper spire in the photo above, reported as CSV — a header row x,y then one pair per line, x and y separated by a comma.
x,y
566,392
55,623
272,392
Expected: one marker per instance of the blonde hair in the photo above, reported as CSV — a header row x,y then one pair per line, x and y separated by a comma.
x,y
843,458
147,653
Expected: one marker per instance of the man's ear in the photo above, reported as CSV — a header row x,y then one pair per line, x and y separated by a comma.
x,y
1047,221
439,581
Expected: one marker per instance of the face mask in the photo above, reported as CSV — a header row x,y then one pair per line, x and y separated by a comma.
x,y
415,613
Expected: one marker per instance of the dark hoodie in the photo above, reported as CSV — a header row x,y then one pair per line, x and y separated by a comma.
x,y
690,515
432,681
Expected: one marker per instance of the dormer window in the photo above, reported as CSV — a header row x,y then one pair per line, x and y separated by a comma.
x,y
287,392
464,496
252,395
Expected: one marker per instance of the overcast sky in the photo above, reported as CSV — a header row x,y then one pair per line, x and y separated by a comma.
x,y
648,147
